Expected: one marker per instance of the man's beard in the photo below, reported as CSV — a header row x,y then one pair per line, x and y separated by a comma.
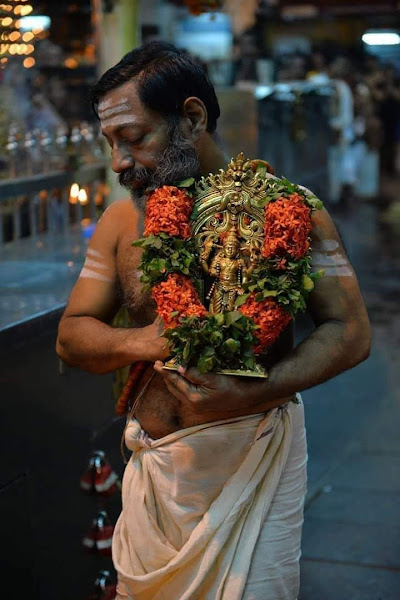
x,y
178,161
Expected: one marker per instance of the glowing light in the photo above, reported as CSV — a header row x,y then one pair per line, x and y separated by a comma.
x,y
29,48
6,21
381,38
25,10
13,49
17,9
74,193
71,63
15,35
4,36
28,36
82,196
34,23
4,48
29,62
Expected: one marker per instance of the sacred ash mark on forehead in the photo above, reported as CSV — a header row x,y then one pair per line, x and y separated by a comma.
x,y
105,105
114,115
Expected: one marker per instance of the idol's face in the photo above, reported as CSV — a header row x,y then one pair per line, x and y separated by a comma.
x,y
231,249
136,135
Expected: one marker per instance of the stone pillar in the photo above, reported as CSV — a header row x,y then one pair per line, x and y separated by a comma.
x,y
117,31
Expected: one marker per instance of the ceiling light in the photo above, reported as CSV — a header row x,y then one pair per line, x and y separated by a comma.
x,y
382,38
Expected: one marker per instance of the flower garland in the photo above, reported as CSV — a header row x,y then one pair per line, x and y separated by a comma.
x,y
277,289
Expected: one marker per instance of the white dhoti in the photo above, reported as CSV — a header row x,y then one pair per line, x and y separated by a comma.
x,y
215,511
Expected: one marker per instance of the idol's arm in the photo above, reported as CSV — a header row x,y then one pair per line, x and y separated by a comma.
x,y
340,341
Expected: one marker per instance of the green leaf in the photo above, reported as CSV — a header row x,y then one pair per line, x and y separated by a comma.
x,y
308,283
186,352
240,300
288,184
269,293
262,169
219,319
232,317
186,183
232,345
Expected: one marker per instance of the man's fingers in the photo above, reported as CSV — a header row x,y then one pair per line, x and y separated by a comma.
x,y
197,378
172,378
179,386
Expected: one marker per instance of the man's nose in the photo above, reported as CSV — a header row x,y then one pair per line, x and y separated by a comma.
x,y
121,160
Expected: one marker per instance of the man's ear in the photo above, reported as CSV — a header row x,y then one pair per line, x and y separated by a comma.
x,y
196,114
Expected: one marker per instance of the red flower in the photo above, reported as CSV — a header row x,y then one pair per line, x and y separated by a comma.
x,y
271,318
287,226
177,293
168,210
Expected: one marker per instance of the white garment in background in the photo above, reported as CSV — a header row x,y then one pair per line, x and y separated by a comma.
x,y
214,512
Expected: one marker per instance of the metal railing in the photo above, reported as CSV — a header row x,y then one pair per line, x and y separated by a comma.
x,y
41,203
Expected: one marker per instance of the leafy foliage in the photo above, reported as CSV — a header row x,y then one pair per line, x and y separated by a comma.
x,y
290,287
220,341
163,254
283,188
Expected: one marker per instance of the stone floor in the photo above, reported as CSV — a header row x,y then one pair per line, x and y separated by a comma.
x,y
351,538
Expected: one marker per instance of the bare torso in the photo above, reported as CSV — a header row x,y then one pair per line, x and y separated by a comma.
x,y
160,413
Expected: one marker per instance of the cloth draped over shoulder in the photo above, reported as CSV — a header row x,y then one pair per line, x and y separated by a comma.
x,y
194,503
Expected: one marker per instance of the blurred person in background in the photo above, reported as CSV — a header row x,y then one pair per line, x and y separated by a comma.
x,y
341,159
385,92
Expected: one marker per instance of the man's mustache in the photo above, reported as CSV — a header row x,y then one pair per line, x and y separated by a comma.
x,y
132,175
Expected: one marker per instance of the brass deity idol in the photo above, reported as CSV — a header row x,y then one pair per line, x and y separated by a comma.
x,y
229,271
229,229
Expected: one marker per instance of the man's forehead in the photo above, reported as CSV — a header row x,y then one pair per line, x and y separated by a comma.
x,y
123,99
113,105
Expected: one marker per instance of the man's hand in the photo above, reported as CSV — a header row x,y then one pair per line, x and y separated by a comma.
x,y
213,393
149,343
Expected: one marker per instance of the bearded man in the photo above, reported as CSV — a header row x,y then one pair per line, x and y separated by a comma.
x,y
213,492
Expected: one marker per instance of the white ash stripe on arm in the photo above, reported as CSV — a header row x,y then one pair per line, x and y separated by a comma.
x,y
92,252
326,257
89,262
89,274
91,267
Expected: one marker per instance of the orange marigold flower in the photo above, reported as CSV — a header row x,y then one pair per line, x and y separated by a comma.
x,y
287,226
168,210
177,293
271,318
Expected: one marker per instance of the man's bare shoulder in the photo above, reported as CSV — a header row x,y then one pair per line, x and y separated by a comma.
x,y
118,211
119,219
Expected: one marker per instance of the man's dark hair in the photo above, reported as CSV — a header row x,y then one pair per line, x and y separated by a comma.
x,y
166,77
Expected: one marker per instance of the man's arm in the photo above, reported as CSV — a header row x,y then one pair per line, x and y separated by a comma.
x,y
342,336
340,341
85,338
